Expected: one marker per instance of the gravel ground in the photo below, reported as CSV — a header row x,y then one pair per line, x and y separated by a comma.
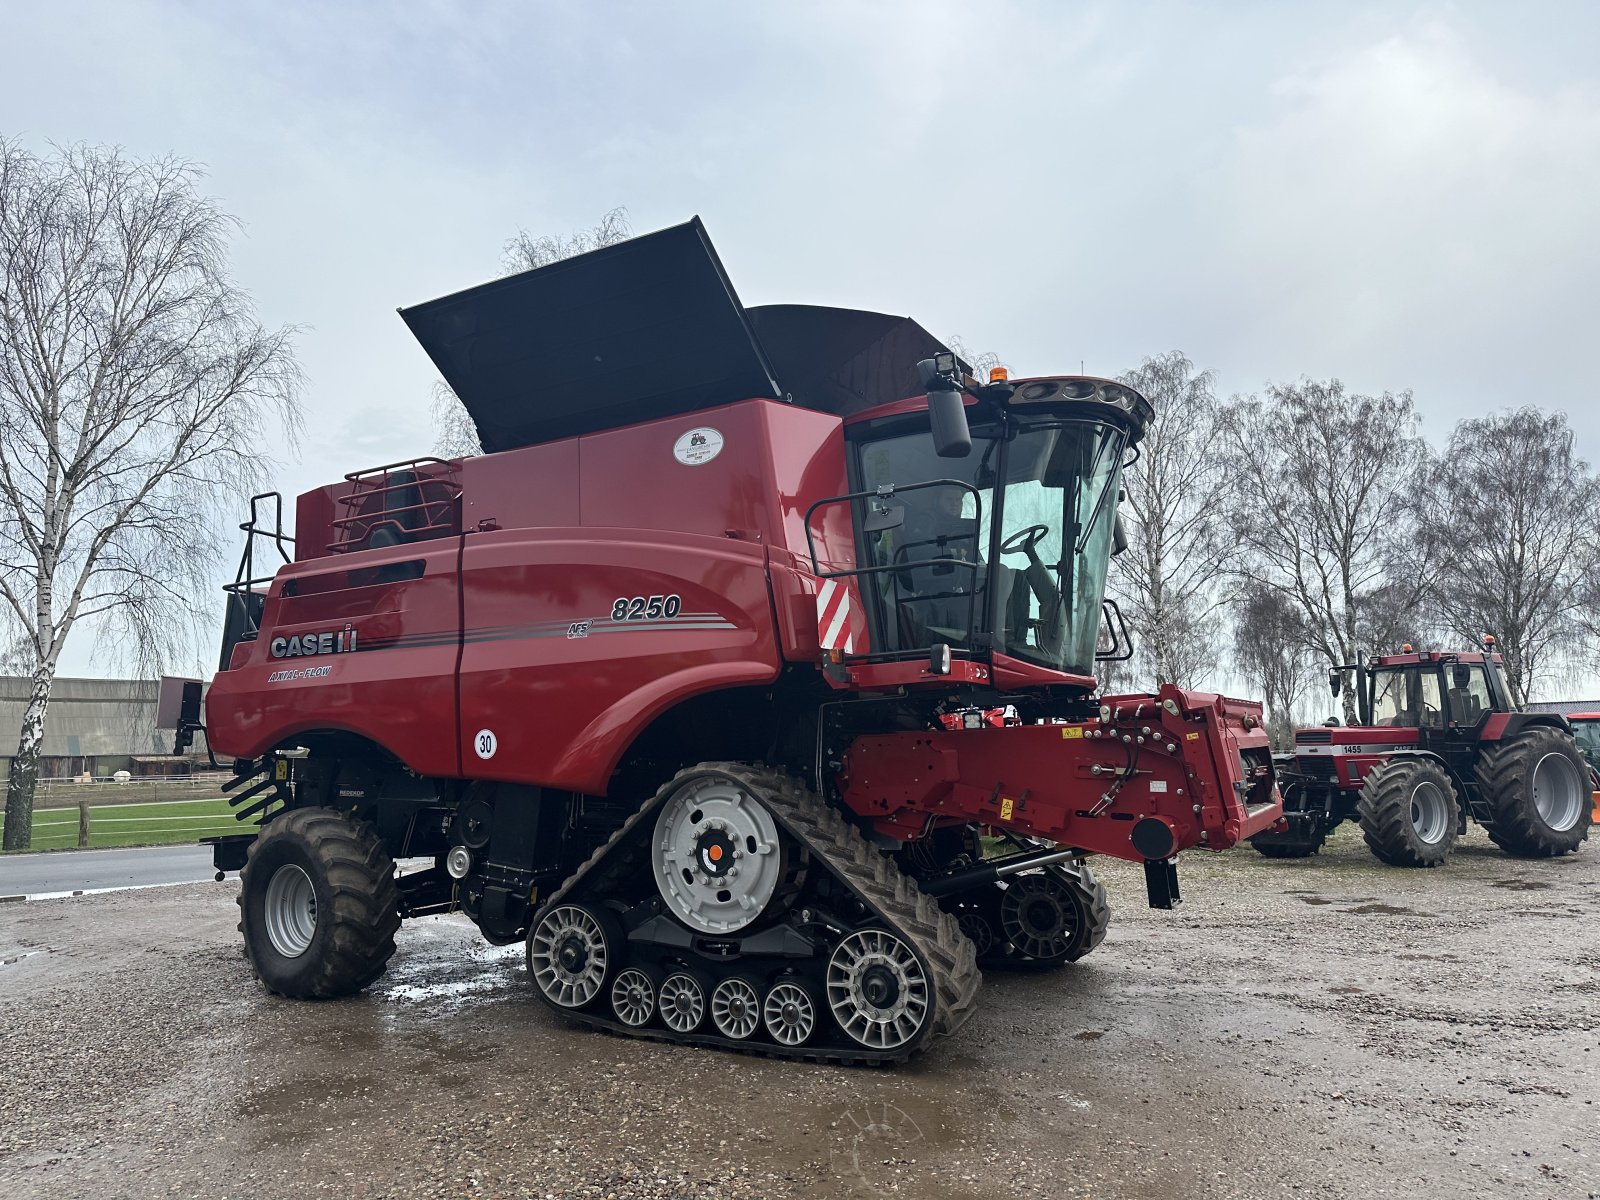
x,y
1329,1027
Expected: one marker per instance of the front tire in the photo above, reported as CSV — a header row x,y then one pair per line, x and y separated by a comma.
x,y
1537,785
1409,813
318,905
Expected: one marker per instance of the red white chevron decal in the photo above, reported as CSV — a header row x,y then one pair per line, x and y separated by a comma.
x,y
833,617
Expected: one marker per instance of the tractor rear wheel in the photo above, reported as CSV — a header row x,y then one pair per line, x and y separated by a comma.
x,y
318,905
1409,813
1537,785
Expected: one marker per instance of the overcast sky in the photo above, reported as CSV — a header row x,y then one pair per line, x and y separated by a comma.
x,y
1405,196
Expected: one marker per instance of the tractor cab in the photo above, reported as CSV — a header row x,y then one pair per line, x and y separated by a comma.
x,y
1428,691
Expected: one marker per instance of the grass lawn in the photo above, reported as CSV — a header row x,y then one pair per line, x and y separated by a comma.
x,y
160,824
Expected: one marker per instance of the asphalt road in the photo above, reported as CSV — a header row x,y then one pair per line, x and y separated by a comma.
x,y
89,870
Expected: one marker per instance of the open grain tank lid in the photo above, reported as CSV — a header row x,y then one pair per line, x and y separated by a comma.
x,y
649,328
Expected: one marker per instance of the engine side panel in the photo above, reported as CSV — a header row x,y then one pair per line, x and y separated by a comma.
x,y
364,642
575,639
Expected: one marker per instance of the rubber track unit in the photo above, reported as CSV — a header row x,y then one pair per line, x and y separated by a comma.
x,y
1094,905
365,913
949,957
1505,773
1384,809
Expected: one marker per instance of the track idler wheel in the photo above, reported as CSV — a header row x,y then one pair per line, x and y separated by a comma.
x,y
569,953
1042,919
877,989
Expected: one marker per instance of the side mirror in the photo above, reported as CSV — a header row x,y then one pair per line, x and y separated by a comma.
x,y
892,517
947,414
1119,536
1335,680
1461,676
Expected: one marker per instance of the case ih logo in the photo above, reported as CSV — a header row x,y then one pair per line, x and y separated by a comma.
x,y
301,645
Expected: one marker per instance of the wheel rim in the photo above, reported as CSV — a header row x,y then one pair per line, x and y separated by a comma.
x,y
878,990
291,911
567,954
1430,812
977,930
789,1014
1038,917
716,856
633,997
1558,793
683,1003
735,1008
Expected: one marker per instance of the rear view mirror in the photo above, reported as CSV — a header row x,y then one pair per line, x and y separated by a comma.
x,y
947,416
885,518
1335,680
947,413
1461,676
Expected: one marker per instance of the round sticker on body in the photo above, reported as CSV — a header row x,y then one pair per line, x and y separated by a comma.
x,y
697,447
485,744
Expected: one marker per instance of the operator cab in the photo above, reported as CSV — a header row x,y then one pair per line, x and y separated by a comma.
x,y
1431,691
1006,548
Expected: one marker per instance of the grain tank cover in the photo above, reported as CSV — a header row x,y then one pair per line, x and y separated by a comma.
x,y
649,328
842,360
639,330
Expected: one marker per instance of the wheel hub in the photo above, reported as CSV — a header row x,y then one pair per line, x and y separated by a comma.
x,y
573,954
716,855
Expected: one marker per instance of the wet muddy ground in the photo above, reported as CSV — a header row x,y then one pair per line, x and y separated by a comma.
x,y
1323,1028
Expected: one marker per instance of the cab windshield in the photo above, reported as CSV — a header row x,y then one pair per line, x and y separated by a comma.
x,y
1014,539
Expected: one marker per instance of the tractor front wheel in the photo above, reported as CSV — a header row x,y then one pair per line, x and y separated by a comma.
x,y
318,905
1537,785
1409,813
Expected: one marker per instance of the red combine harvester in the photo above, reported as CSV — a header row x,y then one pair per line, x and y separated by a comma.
x,y
747,675
1439,739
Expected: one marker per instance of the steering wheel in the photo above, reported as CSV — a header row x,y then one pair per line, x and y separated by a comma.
x,y
1024,540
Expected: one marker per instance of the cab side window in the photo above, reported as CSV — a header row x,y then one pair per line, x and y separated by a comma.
x,y
1469,694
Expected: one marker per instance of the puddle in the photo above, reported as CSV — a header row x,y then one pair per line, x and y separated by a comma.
x,y
1089,1035
1315,900
1520,885
1388,910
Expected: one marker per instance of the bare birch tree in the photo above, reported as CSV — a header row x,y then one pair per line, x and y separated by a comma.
x,y
1175,519
1512,519
455,436
1270,651
136,392
1325,487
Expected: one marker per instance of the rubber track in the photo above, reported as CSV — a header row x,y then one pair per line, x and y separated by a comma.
x,y
1505,773
948,955
1096,902
366,900
1384,810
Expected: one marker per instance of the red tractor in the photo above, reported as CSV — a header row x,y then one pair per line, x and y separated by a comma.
x,y
1439,740
747,677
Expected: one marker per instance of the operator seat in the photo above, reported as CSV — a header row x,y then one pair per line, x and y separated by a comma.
x,y
1464,706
